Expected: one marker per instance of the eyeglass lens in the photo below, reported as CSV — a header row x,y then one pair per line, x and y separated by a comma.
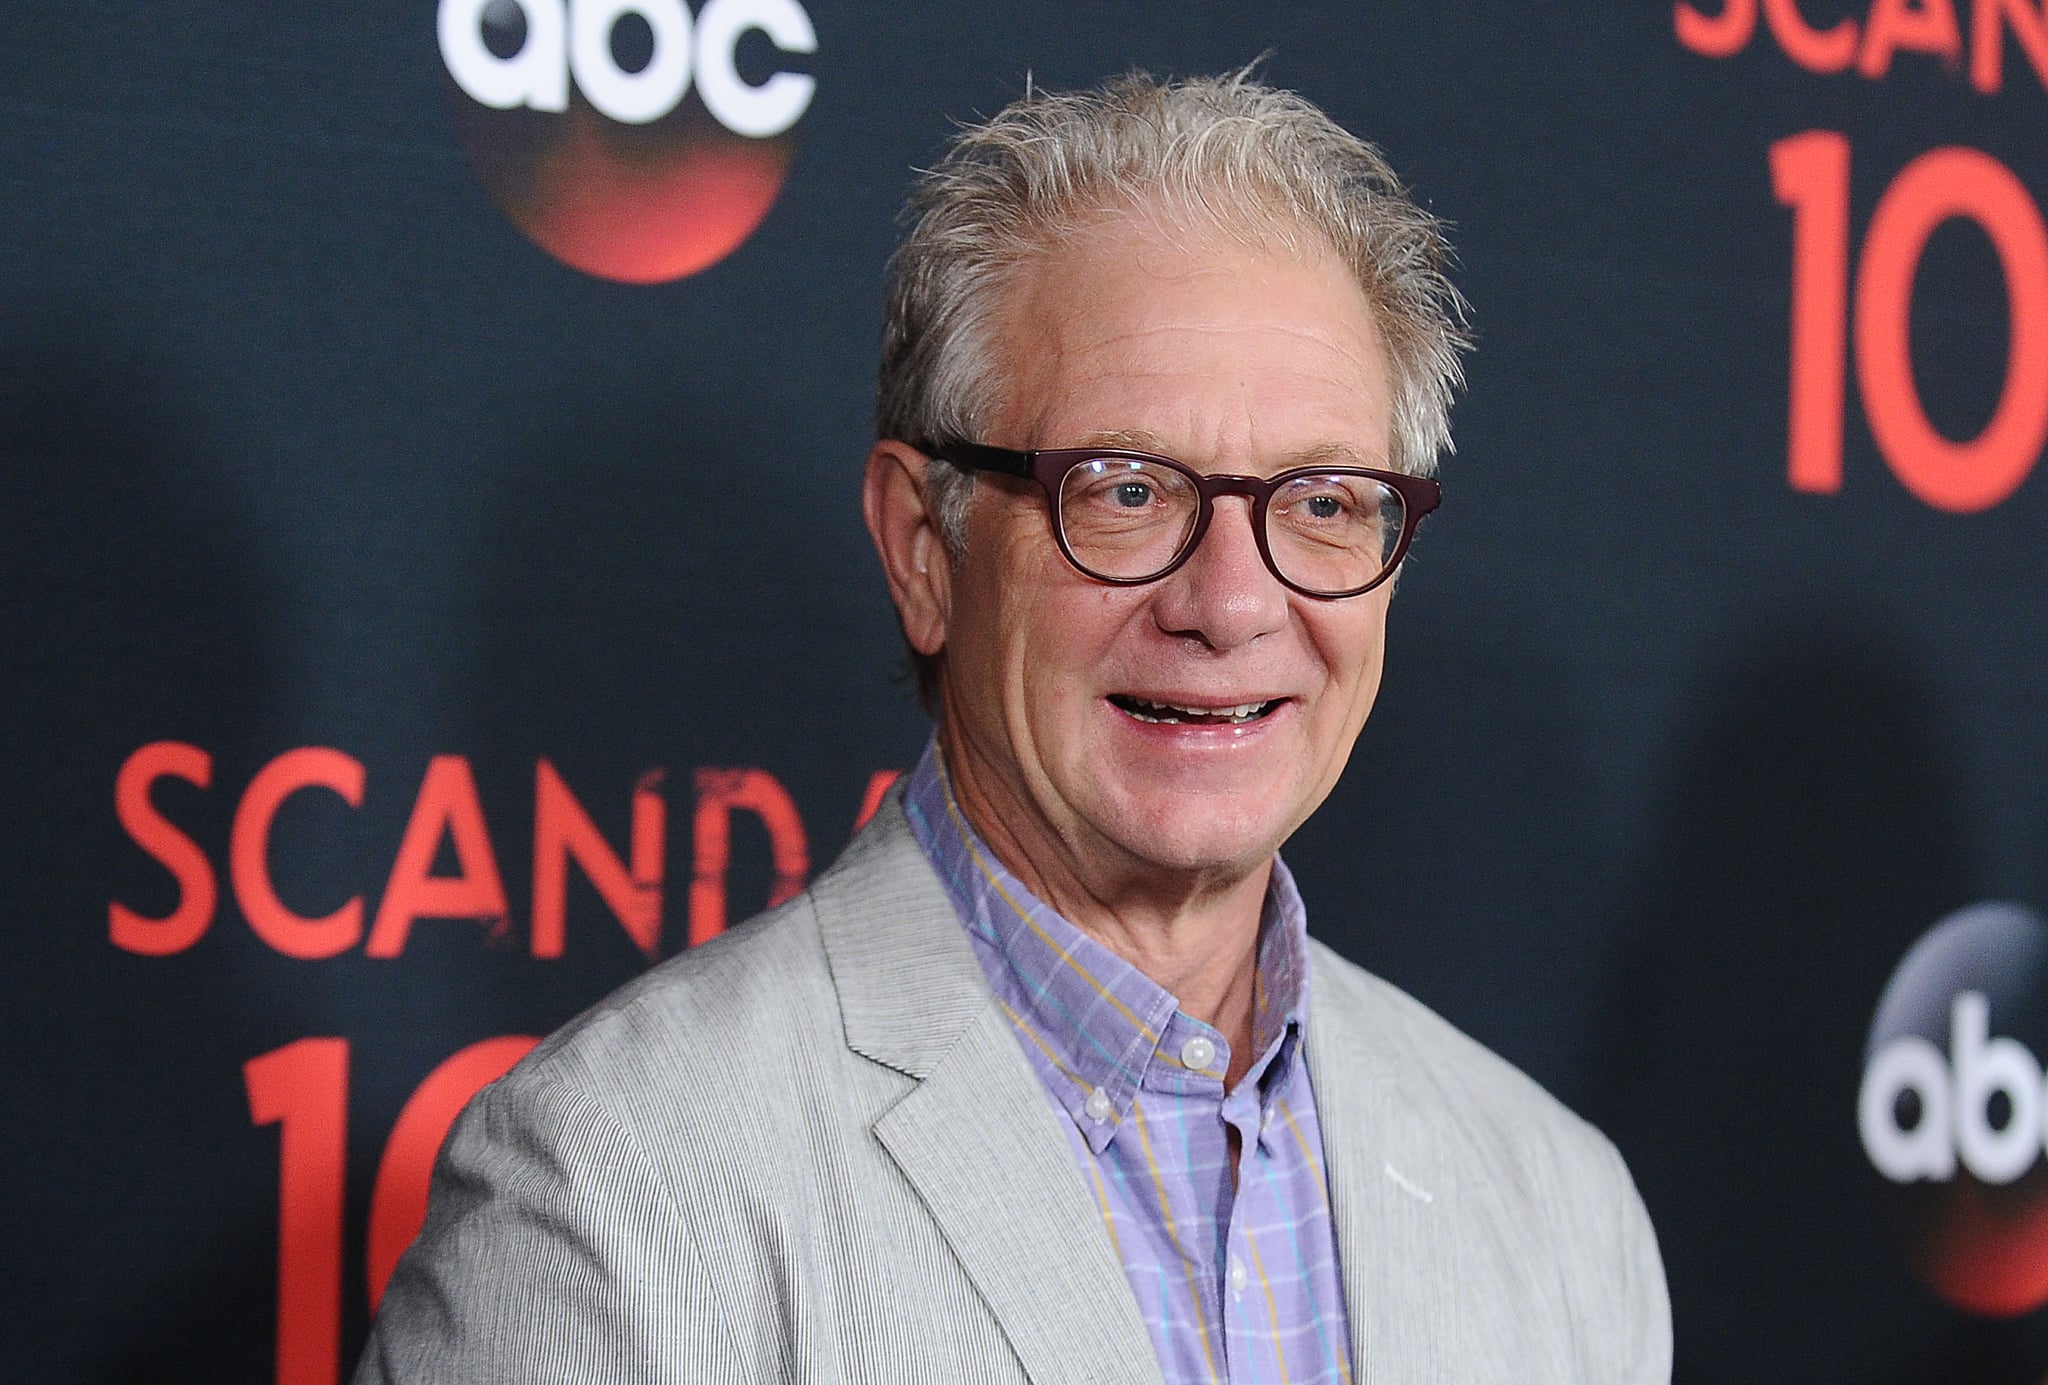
x,y
1128,520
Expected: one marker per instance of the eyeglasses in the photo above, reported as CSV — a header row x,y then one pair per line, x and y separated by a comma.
x,y
1131,517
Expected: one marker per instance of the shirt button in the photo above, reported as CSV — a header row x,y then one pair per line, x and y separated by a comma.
x,y
1198,1053
1266,1121
1097,1106
1237,1275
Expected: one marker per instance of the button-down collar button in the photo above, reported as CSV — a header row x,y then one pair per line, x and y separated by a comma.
x,y
1266,1121
1097,1106
1198,1053
1237,1275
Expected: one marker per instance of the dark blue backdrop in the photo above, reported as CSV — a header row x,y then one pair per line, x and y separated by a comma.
x,y
303,443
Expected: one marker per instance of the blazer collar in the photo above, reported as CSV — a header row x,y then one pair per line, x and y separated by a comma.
x,y
909,985
976,1137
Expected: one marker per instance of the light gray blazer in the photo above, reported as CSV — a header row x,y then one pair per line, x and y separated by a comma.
x,y
811,1150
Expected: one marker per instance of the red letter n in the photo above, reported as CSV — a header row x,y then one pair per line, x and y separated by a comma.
x,y
1987,40
561,829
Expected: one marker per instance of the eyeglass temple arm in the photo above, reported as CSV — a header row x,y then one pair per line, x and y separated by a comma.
x,y
981,457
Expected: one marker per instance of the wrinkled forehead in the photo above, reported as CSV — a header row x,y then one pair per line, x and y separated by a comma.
x,y
1139,332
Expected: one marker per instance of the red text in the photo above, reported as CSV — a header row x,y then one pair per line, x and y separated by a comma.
x,y
1810,174
302,1089
1891,27
446,811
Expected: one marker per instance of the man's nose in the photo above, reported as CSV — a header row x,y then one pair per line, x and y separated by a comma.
x,y
1224,595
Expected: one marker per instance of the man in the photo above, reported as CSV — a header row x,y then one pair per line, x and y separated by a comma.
x,y
1043,1080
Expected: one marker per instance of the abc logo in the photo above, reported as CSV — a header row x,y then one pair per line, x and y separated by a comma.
x,y
1953,1113
626,137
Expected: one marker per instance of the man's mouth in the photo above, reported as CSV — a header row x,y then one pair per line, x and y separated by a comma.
x,y
1174,714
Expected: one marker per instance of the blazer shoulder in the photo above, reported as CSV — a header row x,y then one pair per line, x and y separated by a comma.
x,y
767,997
753,990
1539,1201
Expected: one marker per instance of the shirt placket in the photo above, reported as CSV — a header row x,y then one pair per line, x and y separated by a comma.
x,y
1184,1093
1246,1291
1129,1070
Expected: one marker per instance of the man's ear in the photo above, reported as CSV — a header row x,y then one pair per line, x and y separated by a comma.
x,y
907,539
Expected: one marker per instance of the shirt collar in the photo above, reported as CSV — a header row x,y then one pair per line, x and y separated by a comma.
x,y
1100,1022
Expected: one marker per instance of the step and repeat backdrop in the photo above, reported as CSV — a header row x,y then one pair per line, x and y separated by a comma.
x,y
432,589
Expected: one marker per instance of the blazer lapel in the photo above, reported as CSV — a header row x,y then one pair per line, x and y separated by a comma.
x,y
981,1144
976,1137
1392,1197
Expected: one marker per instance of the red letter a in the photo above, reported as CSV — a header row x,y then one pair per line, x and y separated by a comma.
x,y
447,804
561,830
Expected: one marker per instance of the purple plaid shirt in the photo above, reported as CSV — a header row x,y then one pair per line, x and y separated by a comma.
x,y
1236,1278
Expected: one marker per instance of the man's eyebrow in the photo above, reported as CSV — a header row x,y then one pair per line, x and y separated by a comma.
x,y
1334,454
1322,454
1128,439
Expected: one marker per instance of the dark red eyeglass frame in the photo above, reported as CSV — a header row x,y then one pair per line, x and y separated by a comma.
x,y
1049,467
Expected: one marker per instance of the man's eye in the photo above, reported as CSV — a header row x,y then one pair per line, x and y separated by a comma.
x,y
1131,495
1323,507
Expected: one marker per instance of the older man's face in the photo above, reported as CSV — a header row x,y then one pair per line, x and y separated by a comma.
x,y
1228,359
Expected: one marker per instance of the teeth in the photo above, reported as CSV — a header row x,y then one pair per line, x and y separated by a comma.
x,y
1173,713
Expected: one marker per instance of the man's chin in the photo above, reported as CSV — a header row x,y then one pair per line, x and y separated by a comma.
x,y
1194,838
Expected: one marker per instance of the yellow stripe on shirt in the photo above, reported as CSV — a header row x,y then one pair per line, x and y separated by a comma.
x,y
1187,1264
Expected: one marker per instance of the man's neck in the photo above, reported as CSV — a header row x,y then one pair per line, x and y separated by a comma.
x,y
1196,937
1207,959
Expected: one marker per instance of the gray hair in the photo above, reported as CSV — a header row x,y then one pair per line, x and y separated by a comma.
x,y
1226,153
